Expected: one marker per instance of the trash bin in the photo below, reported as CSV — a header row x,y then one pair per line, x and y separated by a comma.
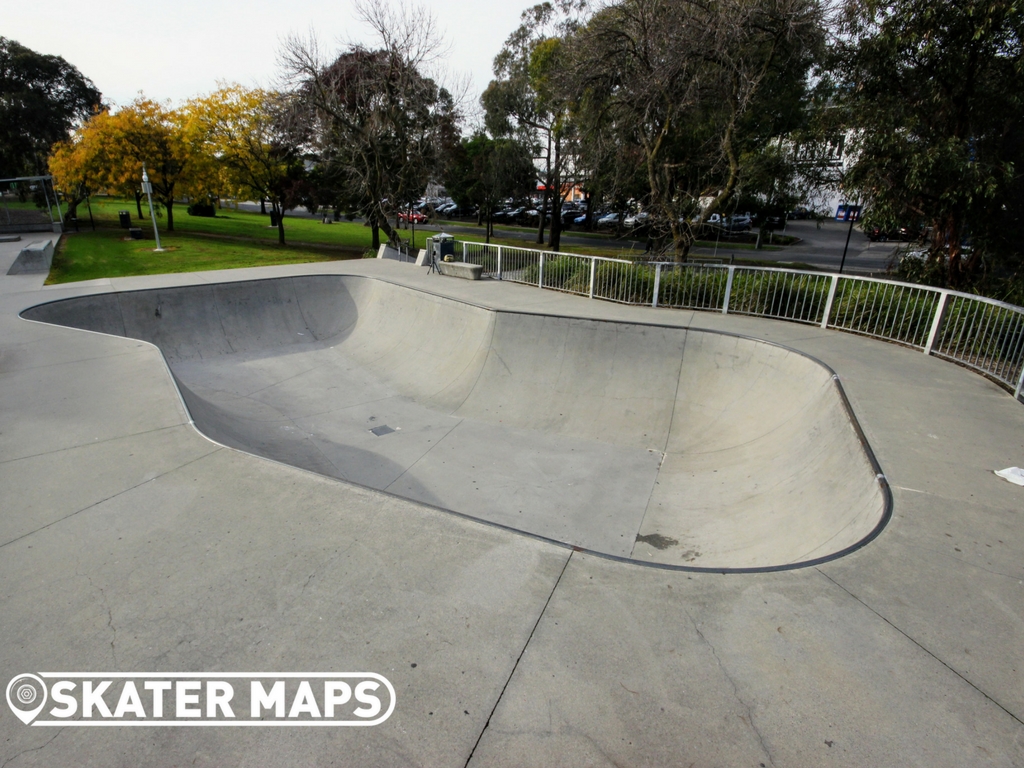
x,y
445,245
125,218
273,219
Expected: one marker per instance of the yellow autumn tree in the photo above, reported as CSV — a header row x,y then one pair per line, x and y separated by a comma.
x,y
77,164
146,132
249,132
109,150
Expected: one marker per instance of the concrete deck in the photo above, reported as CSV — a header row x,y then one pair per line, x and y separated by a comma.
x,y
130,542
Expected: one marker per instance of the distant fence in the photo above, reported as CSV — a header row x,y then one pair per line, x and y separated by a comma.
x,y
982,334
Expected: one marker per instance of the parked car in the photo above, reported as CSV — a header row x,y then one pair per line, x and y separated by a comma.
x,y
636,220
608,220
903,234
509,215
411,216
738,222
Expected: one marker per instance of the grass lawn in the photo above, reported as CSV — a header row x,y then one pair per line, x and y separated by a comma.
x,y
239,224
235,239
105,253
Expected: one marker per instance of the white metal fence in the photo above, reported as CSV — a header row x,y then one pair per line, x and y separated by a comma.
x,y
980,333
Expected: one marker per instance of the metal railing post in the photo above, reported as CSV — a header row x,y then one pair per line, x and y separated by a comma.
x,y
499,262
465,247
593,272
940,312
728,291
657,284
1020,385
540,272
828,302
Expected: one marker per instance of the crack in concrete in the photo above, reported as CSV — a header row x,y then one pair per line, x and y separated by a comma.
x,y
933,655
110,618
108,498
33,749
962,561
749,719
519,658
89,444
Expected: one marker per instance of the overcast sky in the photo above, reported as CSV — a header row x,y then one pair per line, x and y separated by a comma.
x,y
176,50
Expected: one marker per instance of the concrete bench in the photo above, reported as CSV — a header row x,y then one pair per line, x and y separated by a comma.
x,y
460,269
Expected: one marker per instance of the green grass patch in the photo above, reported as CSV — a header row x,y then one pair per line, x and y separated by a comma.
x,y
241,224
105,253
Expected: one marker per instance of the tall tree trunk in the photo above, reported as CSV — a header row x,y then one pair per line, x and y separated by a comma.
x,y
682,240
555,239
138,203
547,193
375,237
280,227
169,204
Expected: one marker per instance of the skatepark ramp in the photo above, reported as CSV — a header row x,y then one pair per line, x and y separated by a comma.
x,y
672,446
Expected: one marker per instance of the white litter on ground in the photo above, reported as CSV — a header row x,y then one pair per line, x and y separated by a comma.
x,y
1014,474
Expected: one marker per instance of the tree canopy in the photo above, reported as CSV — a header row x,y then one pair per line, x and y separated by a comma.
x,y
41,99
256,144
484,171
109,150
697,87
932,96
382,128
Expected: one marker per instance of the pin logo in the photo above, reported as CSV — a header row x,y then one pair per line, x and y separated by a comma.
x,y
26,696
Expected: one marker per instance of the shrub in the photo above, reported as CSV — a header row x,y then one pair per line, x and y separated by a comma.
x,y
202,209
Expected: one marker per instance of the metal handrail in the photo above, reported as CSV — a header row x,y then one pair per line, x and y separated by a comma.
x,y
980,333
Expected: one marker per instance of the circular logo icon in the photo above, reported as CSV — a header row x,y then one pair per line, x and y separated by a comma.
x,y
26,696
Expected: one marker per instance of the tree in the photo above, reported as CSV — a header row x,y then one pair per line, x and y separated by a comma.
x,y
932,96
41,99
525,99
381,126
256,143
146,133
484,171
696,86
78,164
109,150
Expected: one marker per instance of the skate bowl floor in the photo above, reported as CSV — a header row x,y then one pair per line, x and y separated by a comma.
x,y
678,447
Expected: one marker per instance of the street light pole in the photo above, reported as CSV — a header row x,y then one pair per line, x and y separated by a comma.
x,y
148,189
849,214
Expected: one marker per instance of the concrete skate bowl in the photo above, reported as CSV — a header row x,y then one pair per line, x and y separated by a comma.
x,y
678,447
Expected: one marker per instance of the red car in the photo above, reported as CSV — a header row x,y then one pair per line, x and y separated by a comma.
x,y
412,216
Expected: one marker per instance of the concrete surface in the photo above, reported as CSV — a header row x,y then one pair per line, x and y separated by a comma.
x,y
130,542
460,269
630,440
34,258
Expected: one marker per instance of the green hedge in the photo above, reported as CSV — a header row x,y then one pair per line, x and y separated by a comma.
x,y
885,310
